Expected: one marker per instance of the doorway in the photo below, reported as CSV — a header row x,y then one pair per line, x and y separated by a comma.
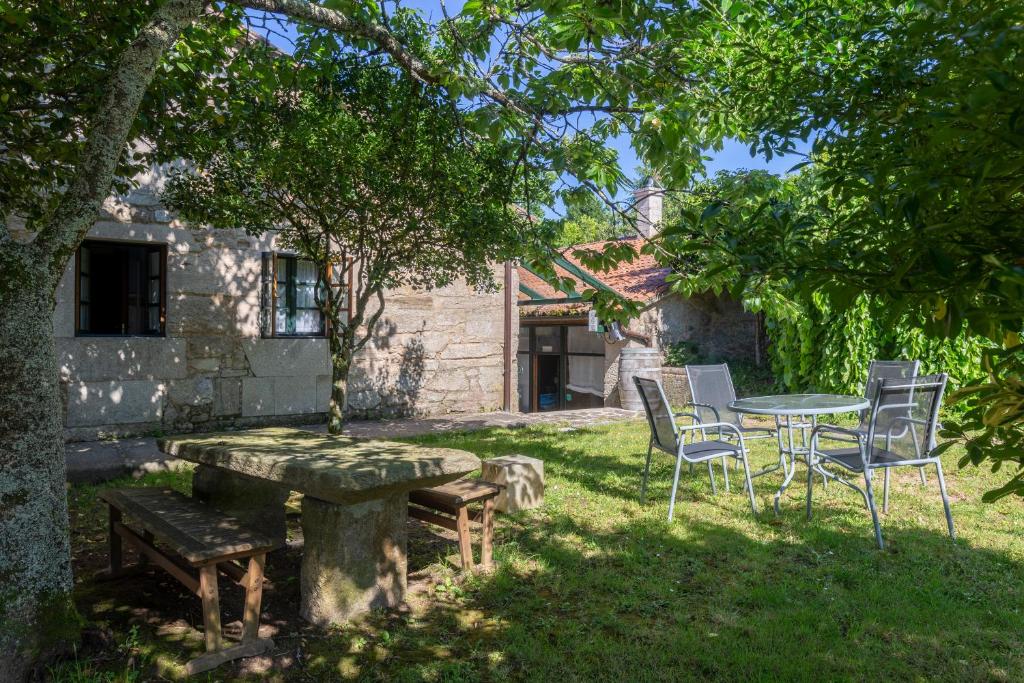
x,y
561,367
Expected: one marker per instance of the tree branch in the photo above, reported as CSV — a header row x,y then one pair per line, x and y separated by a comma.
x,y
372,322
334,20
108,134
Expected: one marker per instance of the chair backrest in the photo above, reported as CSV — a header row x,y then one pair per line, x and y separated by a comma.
x,y
659,414
912,406
712,385
878,371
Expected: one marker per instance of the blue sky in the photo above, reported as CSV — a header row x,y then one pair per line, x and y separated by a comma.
x,y
733,155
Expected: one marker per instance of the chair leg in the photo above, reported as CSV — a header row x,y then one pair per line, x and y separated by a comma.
x,y
647,471
725,472
253,598
885,492
924,478
711,474
465,546
810,484
487,535
211,606
675,486
869,494
945,500
750,484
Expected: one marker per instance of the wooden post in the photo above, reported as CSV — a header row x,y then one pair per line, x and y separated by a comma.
x,y
465,546
116,558
211,606
487,535
253,596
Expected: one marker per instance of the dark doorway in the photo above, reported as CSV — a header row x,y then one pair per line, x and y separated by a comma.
x,y
549,382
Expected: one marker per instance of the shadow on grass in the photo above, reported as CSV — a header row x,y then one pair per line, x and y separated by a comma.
x,y
596,587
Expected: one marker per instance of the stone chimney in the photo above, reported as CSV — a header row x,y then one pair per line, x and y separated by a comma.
x,y
649,197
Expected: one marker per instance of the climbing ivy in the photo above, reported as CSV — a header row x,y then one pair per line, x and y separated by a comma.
x,y
717,229
821,349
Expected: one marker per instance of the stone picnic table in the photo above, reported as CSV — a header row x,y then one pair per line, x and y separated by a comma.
x,y
354,505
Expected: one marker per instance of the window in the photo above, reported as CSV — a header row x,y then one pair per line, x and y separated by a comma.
x,y
120,289
288,301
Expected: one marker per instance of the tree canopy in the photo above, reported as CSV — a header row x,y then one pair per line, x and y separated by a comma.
x,y
914,193
369,174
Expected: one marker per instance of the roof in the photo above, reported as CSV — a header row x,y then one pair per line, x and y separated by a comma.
x,y
641,280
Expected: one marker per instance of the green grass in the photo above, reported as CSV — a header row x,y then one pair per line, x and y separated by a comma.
x,y
594,586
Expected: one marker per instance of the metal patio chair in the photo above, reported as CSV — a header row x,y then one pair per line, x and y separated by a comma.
x,y
669,437
901,428
711,392
880,370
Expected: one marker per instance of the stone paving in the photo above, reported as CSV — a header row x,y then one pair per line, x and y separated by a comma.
x,y
96,461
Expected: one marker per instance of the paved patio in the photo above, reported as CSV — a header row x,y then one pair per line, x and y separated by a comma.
x,y
96,461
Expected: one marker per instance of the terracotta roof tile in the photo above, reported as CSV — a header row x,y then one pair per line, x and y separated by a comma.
x,y
641,279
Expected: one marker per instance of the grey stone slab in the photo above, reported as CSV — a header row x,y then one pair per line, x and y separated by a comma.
x,y
90,359
323,393
257,396
228,396
294,395
287,357
332,468
115,402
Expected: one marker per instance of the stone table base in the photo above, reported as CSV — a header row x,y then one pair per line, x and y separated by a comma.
x,y
354,557
255,502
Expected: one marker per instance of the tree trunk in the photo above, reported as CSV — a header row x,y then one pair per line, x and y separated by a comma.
x,y
341,363
37,617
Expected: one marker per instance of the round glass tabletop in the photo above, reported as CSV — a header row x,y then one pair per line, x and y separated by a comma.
x,y
799,404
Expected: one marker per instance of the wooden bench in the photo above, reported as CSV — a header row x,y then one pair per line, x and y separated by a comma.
x,y
454,499
203,541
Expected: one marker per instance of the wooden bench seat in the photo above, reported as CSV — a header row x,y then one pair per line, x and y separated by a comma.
x,y
201,541
454,498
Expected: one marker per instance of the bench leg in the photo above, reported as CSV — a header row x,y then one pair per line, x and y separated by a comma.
x,y
253,596
251,645
487,535
116,556
465,547
211,606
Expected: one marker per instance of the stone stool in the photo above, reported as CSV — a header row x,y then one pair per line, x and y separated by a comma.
x,y
521,478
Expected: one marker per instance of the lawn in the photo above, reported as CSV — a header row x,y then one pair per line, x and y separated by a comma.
x,y
594,586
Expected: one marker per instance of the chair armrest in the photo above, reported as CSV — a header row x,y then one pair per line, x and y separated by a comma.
x,y
713,409
715,425
896,406
692,416
837,429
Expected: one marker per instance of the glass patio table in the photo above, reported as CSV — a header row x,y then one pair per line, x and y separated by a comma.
x,y
806,408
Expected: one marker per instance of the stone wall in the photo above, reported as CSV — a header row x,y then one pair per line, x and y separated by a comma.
x,y
431,353
718,325
677,388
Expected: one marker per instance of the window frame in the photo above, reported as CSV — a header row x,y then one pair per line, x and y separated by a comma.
x,y
161,249
268,326
563,354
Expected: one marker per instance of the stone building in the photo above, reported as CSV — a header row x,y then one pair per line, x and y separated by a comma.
x,y
563,365
160,329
